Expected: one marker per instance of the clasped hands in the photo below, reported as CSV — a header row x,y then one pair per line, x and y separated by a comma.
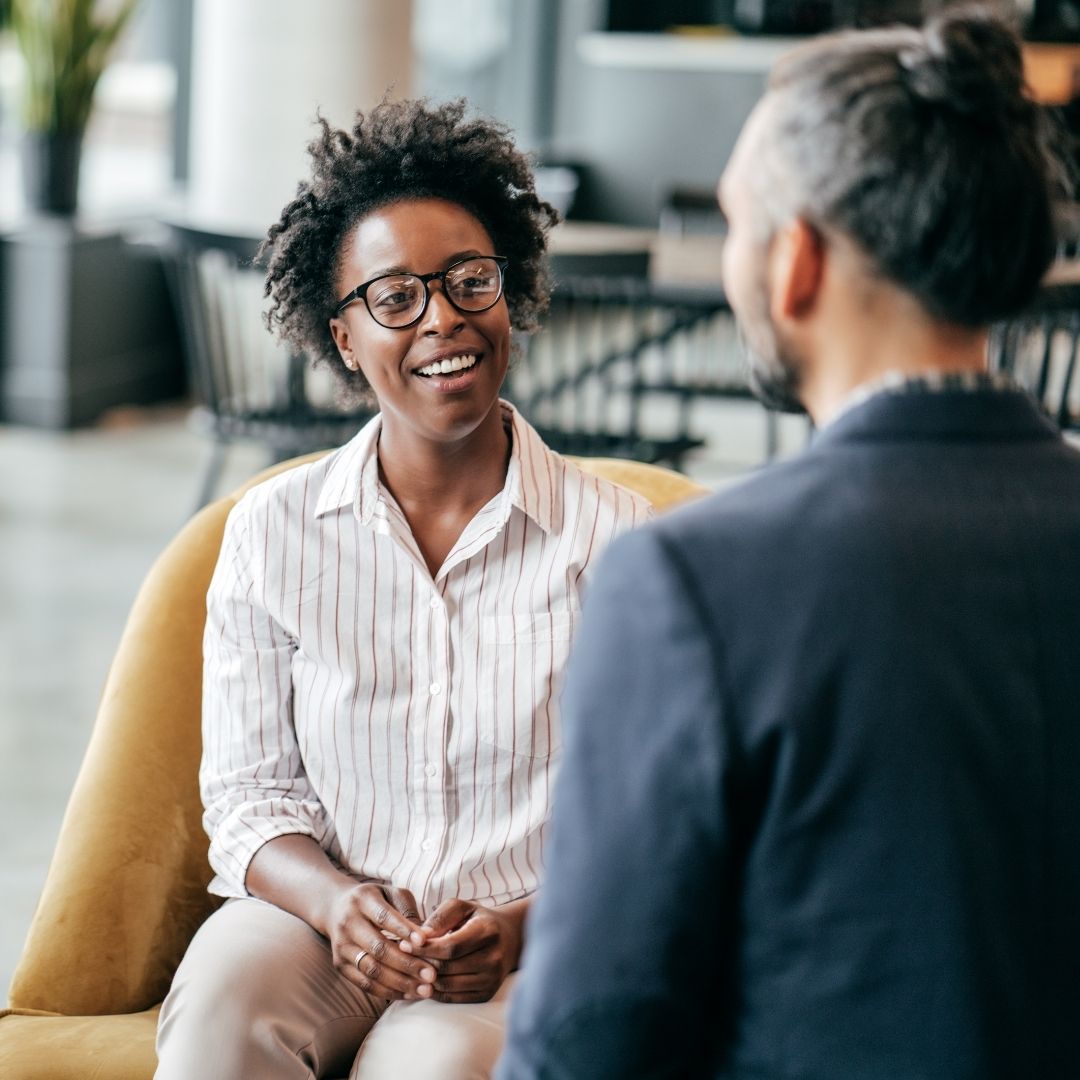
x,y
461,952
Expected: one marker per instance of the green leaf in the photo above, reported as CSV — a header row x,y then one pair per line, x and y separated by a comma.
x,y
66,45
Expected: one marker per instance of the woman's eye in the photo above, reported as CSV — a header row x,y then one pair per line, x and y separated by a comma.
x,y
394,298
474,284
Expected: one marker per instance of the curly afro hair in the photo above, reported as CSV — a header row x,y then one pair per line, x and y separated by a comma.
x,y
401,150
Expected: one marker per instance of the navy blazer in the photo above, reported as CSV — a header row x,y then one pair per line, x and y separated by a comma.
x,y
819,817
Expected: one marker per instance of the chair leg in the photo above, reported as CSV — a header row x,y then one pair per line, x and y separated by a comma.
x,y
772,434
212,474
275,455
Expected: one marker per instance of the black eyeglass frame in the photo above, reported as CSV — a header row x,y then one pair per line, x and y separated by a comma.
x,y
360,292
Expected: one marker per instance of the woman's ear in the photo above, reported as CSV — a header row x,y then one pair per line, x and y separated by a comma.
x,y
797,264
339,328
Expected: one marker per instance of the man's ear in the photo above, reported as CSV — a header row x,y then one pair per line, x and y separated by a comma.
x,y
797,265
339,328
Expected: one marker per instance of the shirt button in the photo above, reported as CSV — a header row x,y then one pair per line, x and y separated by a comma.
x,y
434,688
430,770
435,601
426,845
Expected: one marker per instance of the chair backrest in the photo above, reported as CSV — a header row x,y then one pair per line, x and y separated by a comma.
x,y
126,888
1039,349
239,372
234,367
620,361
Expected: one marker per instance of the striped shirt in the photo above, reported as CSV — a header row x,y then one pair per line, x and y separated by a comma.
x,y
407,724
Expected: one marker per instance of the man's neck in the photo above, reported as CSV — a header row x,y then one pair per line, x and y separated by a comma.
x,y
899,342
824,400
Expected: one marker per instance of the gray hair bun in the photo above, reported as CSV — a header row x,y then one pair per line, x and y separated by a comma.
x,y
968,61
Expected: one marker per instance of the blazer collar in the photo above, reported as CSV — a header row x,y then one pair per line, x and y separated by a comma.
x,y
940,415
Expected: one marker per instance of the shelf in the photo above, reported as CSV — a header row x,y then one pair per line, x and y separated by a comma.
x,y
1052,71
692,52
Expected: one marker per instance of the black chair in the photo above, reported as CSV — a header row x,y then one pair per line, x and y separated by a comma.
x,y
248,387
620,363
1038,348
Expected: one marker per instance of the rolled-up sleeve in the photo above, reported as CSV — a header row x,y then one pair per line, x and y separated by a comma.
x,y
252,778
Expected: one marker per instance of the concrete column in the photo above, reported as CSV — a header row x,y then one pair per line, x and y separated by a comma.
x,y
261,69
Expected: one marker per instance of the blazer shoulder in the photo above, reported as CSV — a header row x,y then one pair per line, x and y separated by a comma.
x,y
762,500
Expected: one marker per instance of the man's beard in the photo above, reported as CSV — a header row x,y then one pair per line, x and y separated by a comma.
x,y
775,374
774,380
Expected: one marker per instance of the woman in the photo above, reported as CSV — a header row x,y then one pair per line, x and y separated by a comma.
x,y
386,633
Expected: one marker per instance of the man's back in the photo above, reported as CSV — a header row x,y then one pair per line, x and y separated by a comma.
x,y
898,614
877,754
823,732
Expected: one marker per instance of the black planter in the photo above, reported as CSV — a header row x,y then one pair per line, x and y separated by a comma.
x,y
50,162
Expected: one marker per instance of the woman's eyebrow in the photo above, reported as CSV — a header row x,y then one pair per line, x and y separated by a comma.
x,y
388,270
472,253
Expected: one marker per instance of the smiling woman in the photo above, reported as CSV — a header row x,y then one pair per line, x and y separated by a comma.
x,y
401,152
435,358
377,762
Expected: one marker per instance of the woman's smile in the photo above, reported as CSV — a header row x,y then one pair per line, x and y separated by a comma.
x,y
449,365
451,374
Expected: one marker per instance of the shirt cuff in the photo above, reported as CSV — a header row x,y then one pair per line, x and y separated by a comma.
x,y
241,833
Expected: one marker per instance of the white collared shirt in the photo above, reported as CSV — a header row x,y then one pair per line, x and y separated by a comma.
x,y
408,724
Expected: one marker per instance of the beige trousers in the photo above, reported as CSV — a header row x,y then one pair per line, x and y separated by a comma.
x,y
257,996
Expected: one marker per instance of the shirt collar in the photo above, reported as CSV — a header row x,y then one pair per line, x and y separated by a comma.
x,y
530,478
927,382
352,477
984,409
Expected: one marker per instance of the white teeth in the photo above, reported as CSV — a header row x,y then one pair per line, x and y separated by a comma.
x,y
444,367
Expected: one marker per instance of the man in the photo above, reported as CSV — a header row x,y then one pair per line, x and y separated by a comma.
x,y
819,816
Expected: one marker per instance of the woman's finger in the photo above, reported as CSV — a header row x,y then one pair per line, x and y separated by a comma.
x,y
448,916
384,971
404,902
466,997
364,924
471,982
376,906
476,963
479,932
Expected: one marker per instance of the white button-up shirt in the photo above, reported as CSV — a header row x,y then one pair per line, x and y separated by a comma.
x,y
408,724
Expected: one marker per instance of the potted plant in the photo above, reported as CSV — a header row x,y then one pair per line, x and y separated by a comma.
x,y
65,45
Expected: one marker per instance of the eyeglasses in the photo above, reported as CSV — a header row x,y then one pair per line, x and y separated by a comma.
x,y
399,300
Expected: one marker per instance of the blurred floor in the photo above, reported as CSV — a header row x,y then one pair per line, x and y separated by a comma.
x,y
82,517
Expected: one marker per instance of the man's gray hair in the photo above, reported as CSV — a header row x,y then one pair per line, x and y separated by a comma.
x,y
923,147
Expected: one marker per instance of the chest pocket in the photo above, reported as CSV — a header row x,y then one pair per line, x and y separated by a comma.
x,y
519,710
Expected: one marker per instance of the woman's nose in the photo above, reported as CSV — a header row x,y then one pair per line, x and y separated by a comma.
x,y
440,317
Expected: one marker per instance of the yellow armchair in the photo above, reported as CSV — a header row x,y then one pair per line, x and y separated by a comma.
x,y
126,888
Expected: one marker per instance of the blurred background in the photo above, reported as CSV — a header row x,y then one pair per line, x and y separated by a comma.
x,y
136,380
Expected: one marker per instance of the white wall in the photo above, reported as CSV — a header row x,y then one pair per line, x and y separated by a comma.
x,y
260,71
